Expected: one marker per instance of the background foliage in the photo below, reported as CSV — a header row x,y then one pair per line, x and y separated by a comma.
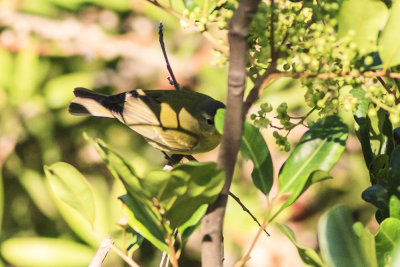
x,y
48,47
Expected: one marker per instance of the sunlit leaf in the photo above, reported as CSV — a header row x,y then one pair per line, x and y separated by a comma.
x,y
394,207
189,186
364,18
339,245
366,241
318,150
386,239
145,221
69,185
43,252
389,40
34,184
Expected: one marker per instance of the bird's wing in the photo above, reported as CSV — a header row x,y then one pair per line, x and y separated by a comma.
x,y
139,115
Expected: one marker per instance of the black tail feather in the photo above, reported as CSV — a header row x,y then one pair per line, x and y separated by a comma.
x,y
77,109
86,93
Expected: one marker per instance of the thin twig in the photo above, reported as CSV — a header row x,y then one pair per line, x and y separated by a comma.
x,y
161,38
247,210
246,257
102,252
125,257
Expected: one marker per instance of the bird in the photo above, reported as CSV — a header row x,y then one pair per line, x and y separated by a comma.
x,y
173,121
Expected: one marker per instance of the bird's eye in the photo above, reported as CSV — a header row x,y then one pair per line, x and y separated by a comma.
x,y
210,122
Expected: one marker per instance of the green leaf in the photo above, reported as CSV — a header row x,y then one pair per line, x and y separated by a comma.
x,y
35,186
394,169
389,40
386,239
184,189
366,241
145,221
396,255
377,195
178,193
364,18
379,168
309,256
364,124
339,245
187,229
122,170
219,120
319,150
394,207
253,147
69,185
43,252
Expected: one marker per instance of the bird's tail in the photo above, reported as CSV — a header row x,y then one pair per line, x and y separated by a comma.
x,y
88,103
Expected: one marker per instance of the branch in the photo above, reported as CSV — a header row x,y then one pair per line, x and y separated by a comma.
x,y
161,39
212,224
332,75
247,210
102,252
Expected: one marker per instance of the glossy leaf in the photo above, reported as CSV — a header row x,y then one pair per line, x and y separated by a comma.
x,y
366,241
386,239
69,185
254,148
309,256
319,150
364,18
43,252
339,245
377,195
389,40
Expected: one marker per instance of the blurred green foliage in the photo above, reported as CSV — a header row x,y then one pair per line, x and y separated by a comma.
x,y
41,63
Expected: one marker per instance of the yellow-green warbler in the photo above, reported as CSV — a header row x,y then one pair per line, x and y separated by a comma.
x,y
178,122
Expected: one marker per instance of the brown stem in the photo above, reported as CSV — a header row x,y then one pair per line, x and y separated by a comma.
x,y
169,68
212,224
